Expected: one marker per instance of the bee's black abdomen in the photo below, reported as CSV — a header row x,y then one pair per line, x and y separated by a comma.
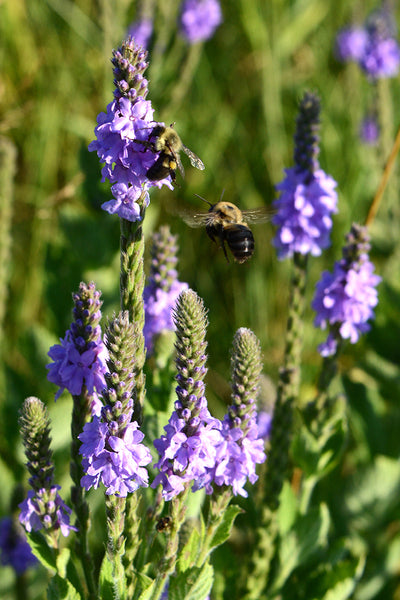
x,y
240,241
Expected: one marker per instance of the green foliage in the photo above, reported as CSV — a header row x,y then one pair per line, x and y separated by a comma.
x,y
234,100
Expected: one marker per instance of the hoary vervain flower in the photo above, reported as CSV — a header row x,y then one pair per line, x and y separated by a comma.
x,y
80,358
374,46
163,289
43,508
307,194
199,19
369,130
111,443
123,135
241,446
344,300
188,447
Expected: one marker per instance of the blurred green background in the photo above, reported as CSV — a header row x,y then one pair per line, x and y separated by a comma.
x,y
234,100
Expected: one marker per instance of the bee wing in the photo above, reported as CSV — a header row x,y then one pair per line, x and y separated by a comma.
x,y
179,163
195,219
194,159
258,215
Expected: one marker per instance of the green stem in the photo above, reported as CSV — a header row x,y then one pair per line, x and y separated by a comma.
x,y
115,512
167,564
80,415
131,291
281,434
218,505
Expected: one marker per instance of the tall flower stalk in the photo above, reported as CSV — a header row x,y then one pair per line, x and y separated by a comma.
x,y
188,447
304,208
43,509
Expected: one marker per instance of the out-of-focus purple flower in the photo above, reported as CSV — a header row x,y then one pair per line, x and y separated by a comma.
x,y
141,31
162,292
188,447
307,194
350,43
45,509
123,136
344,300
374,46
14,549
369,130
80,359
199,19
241,446
381,58
264,421
114,455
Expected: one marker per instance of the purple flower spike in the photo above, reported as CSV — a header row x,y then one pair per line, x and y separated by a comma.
x,y
199,19
308,197
123,136
241,445
188,447
80,359
112,447
162,292
344,300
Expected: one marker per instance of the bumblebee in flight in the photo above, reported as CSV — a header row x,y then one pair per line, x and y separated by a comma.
x,y
169,145
226,223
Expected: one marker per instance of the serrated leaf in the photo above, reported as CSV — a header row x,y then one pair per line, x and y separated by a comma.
x,y
224,529
147,592
308,535
112,582
41,550
193,584
62,589
188,554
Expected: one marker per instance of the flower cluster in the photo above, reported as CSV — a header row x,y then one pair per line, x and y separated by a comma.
x,y
80,359
43,508
374,46
307,194
14,549
241,446
188,447
123,136
344,300
112,449
199,19
162,292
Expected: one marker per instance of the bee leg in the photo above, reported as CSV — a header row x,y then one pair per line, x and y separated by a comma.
x,y
222,244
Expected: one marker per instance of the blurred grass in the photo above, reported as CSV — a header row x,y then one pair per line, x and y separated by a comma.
x,y
234,100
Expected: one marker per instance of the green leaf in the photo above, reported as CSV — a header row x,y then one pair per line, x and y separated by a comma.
x,y
373,494
62,589
112,582
193,584
147,586
188,554
41,550
224,529
308,535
